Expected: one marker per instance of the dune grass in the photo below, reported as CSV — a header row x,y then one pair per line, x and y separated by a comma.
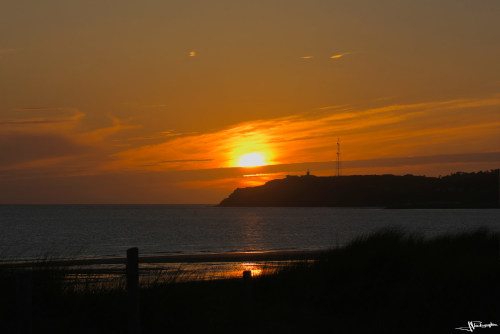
x,y
386,282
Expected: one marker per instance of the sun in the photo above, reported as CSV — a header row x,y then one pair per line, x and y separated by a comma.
x,y
251,160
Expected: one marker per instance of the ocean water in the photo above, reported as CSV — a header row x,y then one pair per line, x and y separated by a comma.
x,y
60,231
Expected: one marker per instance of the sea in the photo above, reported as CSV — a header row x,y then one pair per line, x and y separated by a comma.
x,y
99,231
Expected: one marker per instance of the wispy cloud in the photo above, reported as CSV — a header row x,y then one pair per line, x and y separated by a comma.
x,y
451,126
340,106
25,122
41,109
383,137
186,160
161,135
156,106
53,137
99,135
40,117
340,55
350,164
30,147
386,98
8,51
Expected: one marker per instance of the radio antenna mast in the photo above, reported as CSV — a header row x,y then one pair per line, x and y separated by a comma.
x,y
339,167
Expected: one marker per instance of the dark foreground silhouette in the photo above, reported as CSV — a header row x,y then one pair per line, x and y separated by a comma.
x,y
459,190
388,282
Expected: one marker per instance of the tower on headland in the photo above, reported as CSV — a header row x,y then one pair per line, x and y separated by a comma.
x,y
339,164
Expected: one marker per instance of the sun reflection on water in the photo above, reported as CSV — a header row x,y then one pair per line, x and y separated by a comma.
x,y
95,276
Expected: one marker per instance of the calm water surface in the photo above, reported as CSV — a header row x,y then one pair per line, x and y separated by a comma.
x,y
32,231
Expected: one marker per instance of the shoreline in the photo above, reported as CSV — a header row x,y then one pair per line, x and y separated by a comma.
x,y
293,255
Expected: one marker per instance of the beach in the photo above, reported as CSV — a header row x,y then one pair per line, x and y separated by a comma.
x,y
185,267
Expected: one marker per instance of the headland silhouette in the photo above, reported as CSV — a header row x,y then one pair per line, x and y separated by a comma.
x,y
458,190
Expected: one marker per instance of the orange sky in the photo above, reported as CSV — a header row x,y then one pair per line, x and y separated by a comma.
x,y
157,101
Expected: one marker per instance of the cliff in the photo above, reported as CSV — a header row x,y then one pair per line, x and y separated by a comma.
x,y
459,190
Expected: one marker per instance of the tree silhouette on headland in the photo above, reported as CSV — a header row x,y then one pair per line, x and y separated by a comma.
x,y
458,190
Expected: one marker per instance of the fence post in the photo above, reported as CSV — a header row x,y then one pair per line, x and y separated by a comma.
x,y
247,281
24,303
133,290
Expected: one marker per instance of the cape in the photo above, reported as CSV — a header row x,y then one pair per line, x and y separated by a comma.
x,y
459,190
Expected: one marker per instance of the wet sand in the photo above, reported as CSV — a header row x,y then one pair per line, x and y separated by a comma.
x,y
181,258
182,267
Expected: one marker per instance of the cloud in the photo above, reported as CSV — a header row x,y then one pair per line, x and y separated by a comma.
x,y
192,53
306,57
340,55
36,116
117,125
60,121
41,109
271,171
53,139
404,137
386,98
425,160
156,106
334,107
440,127
209,185
161,135
24,122
8,51
186,160
20,148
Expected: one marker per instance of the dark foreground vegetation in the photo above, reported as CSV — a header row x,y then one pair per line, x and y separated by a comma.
x,y
388,282
459,190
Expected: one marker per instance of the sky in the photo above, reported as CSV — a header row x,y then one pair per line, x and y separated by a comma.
x,y
167,101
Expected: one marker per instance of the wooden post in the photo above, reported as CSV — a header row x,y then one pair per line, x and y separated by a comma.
x,y
24,303
133,290
247,281
247,275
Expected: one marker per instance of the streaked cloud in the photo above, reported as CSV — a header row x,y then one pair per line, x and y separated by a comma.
x,y
306,57
210,185
393,130
193,160
40,117
8,51
23,122
340,55
30,147
340,106
161,135
41,109
399,138
53,138
386,98
154,106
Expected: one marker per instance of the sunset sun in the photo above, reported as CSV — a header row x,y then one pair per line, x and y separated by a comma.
x,y
251,160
